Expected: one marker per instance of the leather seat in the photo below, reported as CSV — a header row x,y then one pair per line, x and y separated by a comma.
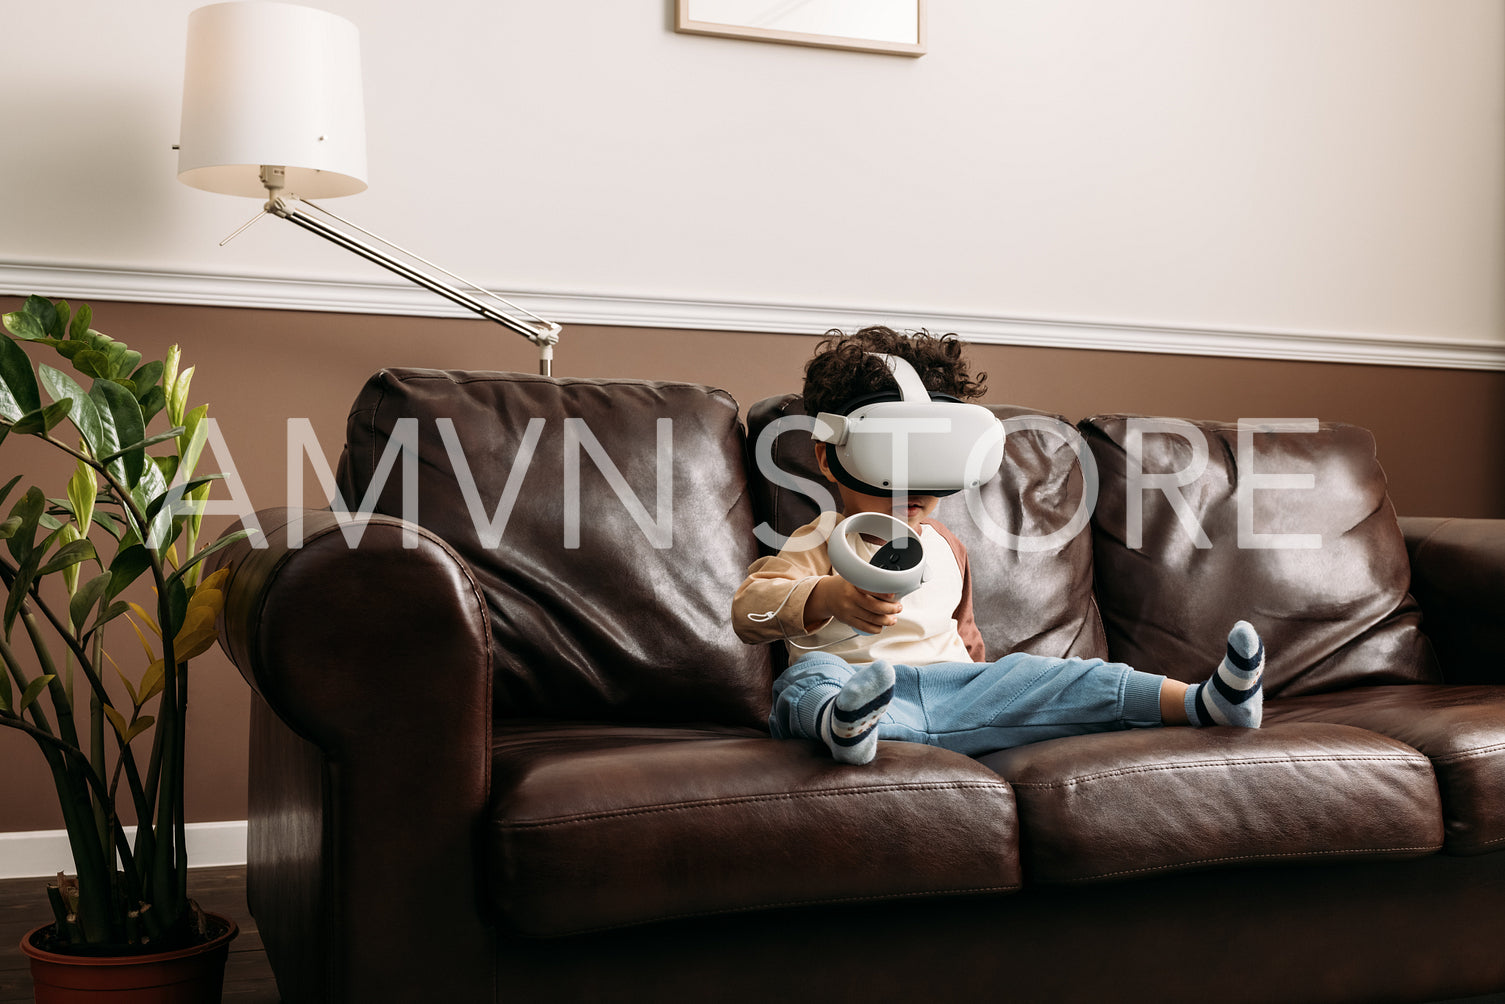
x,y
1459,727
1126,804
597,826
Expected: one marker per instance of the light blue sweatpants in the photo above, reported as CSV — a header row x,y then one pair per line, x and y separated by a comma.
x,y
978,707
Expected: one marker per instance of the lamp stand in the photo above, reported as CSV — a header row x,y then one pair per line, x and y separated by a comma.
x,y
544,334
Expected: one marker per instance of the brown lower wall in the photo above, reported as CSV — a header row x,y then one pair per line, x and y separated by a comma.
x,y
1441,433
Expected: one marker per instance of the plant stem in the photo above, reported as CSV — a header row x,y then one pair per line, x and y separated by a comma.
x,y
96,684
62,707
73,781
8,656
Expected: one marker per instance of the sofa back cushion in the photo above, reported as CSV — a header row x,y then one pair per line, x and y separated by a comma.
x,y
1026,531
607,522
1286,526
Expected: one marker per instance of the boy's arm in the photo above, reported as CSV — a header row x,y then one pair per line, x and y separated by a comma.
x,y
770,603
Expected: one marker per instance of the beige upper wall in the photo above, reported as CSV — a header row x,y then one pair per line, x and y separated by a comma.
x,y
1309,166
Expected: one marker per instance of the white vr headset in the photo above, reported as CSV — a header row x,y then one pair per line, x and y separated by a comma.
x,y
912,442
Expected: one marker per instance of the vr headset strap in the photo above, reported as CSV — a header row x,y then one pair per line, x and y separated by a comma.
x,y
910,386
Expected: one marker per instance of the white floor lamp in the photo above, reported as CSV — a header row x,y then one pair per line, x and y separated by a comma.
x,y
272,106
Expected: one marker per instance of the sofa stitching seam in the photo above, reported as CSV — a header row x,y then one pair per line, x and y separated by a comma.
x,y
740,800
1342,852
1468,754
1415,761
1485,843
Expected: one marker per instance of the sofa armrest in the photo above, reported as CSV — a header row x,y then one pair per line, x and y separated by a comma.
x,y
371,756
1458,577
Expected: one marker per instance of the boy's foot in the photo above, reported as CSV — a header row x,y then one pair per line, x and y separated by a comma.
x,y
1234,694
849,722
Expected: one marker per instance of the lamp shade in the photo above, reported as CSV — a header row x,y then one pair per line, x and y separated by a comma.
x,y
276,84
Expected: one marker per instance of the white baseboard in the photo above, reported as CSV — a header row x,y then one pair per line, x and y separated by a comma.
x,y
45,852
159,286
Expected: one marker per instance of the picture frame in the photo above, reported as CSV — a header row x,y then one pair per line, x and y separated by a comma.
x,y
894,27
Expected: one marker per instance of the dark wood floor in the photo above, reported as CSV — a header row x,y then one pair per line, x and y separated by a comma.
x,y
248,977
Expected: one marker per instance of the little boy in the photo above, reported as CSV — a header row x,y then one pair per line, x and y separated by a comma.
x,y
865,666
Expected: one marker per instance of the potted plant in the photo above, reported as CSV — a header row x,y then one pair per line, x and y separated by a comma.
x,y
127,515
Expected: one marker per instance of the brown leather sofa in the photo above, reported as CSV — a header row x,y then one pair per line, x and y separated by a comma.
x,y
518,754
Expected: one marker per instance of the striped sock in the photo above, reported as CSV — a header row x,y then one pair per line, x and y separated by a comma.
x,y
1234,694
849,721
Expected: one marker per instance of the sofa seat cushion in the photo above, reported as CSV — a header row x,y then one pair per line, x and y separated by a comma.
x,y
1121,804
597,826
1460,728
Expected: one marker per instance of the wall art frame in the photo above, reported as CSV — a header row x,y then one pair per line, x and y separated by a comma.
x,y
894,27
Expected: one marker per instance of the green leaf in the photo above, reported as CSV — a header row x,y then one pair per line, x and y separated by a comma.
x,y
67,534
129,686
147,377
28,509
85,414
152,682
43,419
167,513
120,416
177,493
86,599
160,437
152,486
9,527
17,595
152,402
126,732
168,465
18,384
42,309
126,568
110,613
33,691
83,489
123,362
66,349
5,691
142,724
81,321
25,326
170,367
191,443
109,524
92,362
219,544
5,492
68,555
177,396
26,574
177,607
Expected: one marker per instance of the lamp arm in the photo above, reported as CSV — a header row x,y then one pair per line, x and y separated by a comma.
x,y
544,334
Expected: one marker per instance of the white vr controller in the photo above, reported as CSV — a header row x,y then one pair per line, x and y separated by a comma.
x,y
898,567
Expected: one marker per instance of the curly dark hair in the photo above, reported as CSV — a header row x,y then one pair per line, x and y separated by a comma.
x,y
843,369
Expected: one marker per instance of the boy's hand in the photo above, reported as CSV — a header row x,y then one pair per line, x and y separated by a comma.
x,y
835,597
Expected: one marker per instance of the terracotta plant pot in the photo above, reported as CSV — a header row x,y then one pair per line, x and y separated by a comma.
x,y
193,975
